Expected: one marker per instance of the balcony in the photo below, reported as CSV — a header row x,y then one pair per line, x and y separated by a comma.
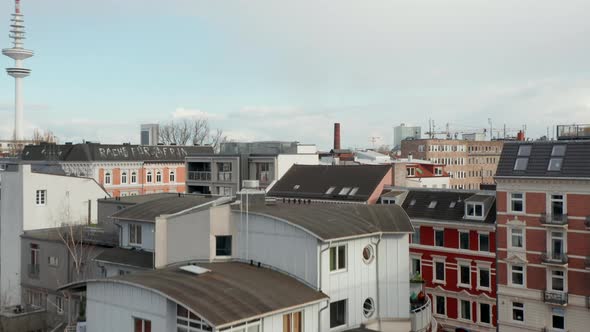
x,y
553,219
567,132
421,316
555,297
224,176
554,258
199,176
33,270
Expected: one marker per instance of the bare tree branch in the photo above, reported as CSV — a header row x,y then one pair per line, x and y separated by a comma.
x,y
197,131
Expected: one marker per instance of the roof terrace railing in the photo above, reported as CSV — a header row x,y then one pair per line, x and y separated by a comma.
x,y
581,131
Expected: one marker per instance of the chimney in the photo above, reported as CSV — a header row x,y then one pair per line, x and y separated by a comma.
x,y
337,136
520,136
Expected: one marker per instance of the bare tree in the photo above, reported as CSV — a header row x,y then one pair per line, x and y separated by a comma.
x,y
201,131
43,136
198,131
176,132
217,138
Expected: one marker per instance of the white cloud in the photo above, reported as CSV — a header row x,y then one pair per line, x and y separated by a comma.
x,y
184,113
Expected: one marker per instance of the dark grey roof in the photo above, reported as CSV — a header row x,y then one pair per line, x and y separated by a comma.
x,y
89,234
576,162
109,152
229,294
129,257
393,193
421,199
315,180
148,211
136,199
335,221
54,169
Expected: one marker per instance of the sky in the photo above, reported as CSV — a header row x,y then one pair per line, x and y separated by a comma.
x,y
287,70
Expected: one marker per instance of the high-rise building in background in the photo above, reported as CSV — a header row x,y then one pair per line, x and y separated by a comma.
x,y
150,134
403,132
18,54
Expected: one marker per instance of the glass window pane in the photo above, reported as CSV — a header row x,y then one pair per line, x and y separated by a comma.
x,y
342,257
485,313
332,259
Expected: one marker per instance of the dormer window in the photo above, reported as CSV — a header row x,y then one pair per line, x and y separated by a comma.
x,y
474,210
522,157
557,154
411,171
330,190
438,171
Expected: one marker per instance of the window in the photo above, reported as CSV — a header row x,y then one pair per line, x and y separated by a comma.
x,y
337,313
557,245
224,171
474,210
517,311
353,191
172,176
485,313
292,322
34,253
556,161
555,164
416,267
438,171
53,261
465,309
464,240
158,177
368,307
432,204
557,206
186,321
517,275
558,319
439,273
263,172
524,150
40,197
344,191
521,164
484,277
59,304
439,237
557,280
416,235
107,178
558,151
223,245
224,191
368,253
134,234
148,177
464,274
338,258
484,242
516,238
411,171
516,202
133,177
330,190
142,325
440,305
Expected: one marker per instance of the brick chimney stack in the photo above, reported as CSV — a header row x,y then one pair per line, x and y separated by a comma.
x,y
337,136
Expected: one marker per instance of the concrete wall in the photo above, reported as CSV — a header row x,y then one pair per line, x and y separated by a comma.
x,y
285,161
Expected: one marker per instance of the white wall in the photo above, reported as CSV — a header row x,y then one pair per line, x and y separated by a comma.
x,y
278,244
147,235
112,307
430,182
285,161
310,319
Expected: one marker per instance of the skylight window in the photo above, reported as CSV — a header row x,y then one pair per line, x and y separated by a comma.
x,y
295,187
330,190
432,204
412,202
524,150
557,154
522,160
555,164
194,269
521,164
558,151
344,191
353,191
453,204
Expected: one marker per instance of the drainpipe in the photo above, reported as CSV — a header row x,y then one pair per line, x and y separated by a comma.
x,y
320,286
377,286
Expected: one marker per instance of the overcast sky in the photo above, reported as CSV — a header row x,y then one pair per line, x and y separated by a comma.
x,y
287,70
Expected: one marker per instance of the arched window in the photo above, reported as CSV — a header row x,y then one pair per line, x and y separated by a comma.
x,y
123,177
107,178
149,177
133,177
172,176
158,176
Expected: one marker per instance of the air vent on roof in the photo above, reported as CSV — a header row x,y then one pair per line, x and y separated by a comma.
x,y
194,269
295,187
412,202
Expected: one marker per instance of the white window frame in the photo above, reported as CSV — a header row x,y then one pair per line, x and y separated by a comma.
x,y
550,280
553,313
488,267
510,199
438,171
479,321
464,263
133,177
435,302
159,176
443,261
415,257
411,171
338,268
468,239
41,197
108,177
510,271
172,176
413,235
518,308
54,262
475,216
149,177
459,313
134,242
551,200
550,240
510,234
346,311
124,177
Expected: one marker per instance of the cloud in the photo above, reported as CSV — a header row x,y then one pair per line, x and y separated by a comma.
x,y
184,113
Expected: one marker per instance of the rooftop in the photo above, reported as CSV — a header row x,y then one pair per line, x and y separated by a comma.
x,y
337,221
330,182
137,199
128,257
229,294
150,210
90,235
550,159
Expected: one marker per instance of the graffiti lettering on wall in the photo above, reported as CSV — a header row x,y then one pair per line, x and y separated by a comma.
x,y
142,152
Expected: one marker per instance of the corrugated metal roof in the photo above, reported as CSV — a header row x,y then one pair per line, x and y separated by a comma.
x,y
148,211
335,221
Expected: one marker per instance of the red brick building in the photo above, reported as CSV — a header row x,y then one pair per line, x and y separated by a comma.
x,y
543,198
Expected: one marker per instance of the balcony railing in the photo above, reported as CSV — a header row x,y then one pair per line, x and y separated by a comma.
x,y
421,317
555,297
199,176
33,271
224,176
554,219
554,258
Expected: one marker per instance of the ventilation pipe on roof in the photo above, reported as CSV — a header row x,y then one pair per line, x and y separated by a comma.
x,y
410,157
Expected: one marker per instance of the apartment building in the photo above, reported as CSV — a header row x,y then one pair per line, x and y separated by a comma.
x,y
543,196
123,170
452,253
469,163
266,162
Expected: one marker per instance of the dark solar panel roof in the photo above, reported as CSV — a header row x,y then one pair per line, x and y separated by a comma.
x,y
313,181
443,210
334,221
148,211
110,152
230,293
576,161
121,256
